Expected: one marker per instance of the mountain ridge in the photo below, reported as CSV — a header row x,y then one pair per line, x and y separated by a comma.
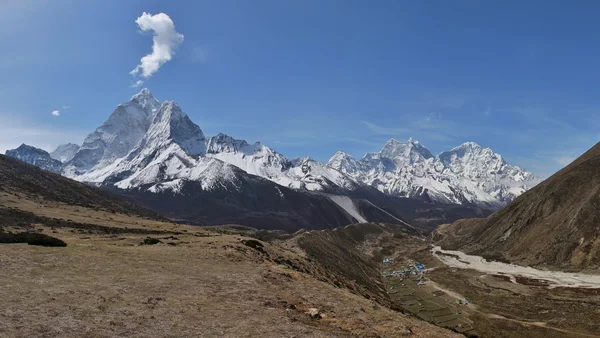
x,y
467,173
145,144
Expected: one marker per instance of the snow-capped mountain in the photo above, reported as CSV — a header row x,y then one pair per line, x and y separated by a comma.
x,y
174,148
65,152
255,159
468,173
35,156
116,137
148,147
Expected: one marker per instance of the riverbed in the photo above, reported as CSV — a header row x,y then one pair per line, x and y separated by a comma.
x,y
461,260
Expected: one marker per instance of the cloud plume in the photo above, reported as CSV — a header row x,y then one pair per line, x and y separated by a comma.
x,y
165,40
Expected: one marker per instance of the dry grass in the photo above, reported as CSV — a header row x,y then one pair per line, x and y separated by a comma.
x,y
81,214
196,283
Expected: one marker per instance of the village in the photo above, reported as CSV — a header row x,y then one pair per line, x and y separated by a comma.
x,y
409,287
413,268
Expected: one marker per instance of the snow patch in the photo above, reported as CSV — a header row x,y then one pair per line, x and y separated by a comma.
x,y
348,205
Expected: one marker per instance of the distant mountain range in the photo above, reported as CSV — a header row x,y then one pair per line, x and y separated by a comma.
x,y
148,149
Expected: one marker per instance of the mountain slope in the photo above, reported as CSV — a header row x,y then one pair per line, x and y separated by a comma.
x,y
36,157
65,152
32,183
554,224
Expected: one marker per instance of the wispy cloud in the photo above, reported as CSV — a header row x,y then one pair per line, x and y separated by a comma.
x,y
386,131
137,83
55,113
371,144
166,39
65,107
432,127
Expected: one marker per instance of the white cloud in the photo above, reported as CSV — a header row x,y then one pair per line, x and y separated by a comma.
x,y
137,84
166,40
55,113
387,131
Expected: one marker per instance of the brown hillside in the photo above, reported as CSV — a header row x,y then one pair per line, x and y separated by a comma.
x,y
33,183
556,224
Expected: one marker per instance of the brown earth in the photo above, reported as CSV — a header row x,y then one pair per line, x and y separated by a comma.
x,y
193,283
127,273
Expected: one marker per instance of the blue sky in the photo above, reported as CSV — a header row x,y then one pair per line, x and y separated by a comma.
x,y
314,77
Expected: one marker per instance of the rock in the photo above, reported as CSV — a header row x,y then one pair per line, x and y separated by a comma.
x,y
314,313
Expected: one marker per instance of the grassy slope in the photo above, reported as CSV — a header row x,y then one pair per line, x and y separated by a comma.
x,y
33,183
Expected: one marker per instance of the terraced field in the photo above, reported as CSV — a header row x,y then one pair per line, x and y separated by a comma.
x,y
429,301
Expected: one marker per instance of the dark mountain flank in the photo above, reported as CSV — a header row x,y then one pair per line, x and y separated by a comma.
x,y
33,183
555,224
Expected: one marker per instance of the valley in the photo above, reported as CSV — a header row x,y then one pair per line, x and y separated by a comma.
x,y
128,272
497,305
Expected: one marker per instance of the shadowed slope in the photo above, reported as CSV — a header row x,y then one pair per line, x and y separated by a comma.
x,y
22,178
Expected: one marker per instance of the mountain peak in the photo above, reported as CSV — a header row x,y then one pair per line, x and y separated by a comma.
x,y
172,123
341,158
142,93
392,142
341,154
412,150
117,136
35,156
25,146
344,162
172,110
473,149
146,100
468,145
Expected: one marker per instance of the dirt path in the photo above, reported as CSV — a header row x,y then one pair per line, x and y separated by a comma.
x,y
539,324
450,293
496,316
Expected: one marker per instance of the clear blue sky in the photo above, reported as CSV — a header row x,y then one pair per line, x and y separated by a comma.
x,y
311,77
